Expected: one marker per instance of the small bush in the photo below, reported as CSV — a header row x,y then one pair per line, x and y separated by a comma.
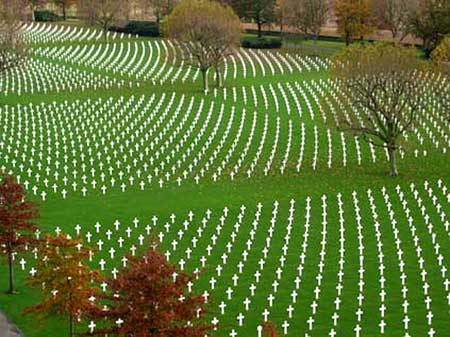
x,y
261,42
141,28
46,16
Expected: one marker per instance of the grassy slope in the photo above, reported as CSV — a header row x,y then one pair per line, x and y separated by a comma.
x,y
215,196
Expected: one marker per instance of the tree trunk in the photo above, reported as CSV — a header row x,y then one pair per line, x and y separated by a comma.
x,y
205,79
347,39
393,161
281,27
11,273
71,327
259,27
33,16
316,47
218,77
64,12
394,33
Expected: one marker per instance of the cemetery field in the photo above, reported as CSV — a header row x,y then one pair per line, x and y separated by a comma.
x,y
287,218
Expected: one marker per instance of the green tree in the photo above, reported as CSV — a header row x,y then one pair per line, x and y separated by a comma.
x,y
431,23
441,55
354,19
209,32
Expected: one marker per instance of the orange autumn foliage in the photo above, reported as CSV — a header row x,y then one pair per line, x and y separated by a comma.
x,y
144,300
16,222
64,278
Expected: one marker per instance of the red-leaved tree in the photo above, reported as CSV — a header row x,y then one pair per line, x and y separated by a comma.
x,y
145,301
16,222
269,329
65,279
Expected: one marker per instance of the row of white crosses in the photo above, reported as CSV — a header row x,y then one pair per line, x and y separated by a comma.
x,y
381,263
259,275
150,60
229,247
422,265
359,157
294,294
319,276
273,151
256,158
428,222
360,298
193,245
220,146
38,76
248,143
426,286
36,32
222,267
433,122
288,149
437,205
401,262
344,147
94,142
340,274
276,282
159,122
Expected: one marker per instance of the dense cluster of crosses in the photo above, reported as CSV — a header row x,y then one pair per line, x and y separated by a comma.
x,y
250,279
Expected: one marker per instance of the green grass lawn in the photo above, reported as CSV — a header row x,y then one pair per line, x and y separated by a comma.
x,y
261,142
305,46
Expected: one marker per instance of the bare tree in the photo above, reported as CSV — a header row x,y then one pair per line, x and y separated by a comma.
x,y
209,32
64,5
159,8
281,14
308,16
261,12
383,90
104,13
394,15
33,5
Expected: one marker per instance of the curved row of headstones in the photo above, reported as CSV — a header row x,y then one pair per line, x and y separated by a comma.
x,y
295,264
36,32
144,59
155,61
137,142
38,76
